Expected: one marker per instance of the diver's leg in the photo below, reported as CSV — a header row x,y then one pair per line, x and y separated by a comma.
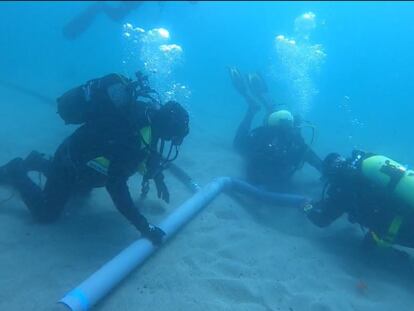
x,y
11,170
81,22
45,205
405,236
242,134
37,161
123,9
58,190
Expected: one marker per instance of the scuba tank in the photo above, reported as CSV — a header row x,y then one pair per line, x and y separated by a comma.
x,y
95,97
103,96
389,174
73,106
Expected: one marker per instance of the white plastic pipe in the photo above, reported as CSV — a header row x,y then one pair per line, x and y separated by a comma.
x,y
99,284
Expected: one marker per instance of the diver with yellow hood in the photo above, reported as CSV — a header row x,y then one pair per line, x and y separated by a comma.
x,y
276,150
374,191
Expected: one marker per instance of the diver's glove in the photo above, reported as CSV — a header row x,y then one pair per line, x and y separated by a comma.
x,y
162,189
307,206
154,234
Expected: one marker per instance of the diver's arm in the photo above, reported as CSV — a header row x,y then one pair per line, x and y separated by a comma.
x,y
313,159
119,170
308,155
322,214
117,187
119,192
326,211
242,135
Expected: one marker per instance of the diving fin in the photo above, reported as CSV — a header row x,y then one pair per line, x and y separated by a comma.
x,y
123,9
258,88
257,84
81,22
238,80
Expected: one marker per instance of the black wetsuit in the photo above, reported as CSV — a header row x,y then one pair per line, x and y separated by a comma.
x,y
272,155
68,173
365,203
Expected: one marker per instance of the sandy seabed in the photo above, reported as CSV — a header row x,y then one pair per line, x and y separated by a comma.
x,y
237,254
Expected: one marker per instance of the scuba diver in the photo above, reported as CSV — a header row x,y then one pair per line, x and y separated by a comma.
x,y
114,11
120,134
81,22
374,191
276,150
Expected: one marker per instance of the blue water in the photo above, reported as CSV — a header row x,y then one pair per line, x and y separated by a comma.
x,y
368,47
363,87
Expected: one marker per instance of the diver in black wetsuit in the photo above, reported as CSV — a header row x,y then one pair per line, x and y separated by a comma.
x,y
116,11
105,151
273,152
81,22
374,191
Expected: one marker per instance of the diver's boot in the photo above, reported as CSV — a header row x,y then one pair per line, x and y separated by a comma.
x,y
36,161
12,171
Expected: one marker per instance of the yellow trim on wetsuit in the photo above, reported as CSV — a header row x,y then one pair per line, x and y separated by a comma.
x,y
393,230
101,164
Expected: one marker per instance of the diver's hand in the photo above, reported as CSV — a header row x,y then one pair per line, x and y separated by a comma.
x,y
307,206
162,189
154,234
